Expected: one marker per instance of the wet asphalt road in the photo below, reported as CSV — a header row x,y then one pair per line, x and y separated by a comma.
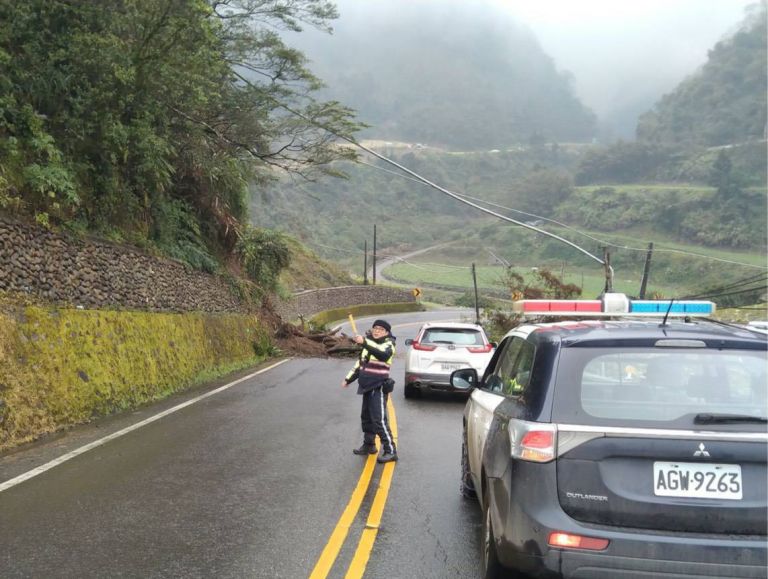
x,y
249,482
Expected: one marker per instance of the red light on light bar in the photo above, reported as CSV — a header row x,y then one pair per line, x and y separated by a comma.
x,y
568,541
562,306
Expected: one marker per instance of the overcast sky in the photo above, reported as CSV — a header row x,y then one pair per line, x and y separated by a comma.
x,y
611,45
623,54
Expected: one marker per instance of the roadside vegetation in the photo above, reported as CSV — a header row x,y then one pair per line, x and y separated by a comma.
x,y
145,122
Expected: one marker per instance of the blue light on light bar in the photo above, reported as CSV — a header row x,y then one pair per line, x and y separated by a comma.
x,y
662,306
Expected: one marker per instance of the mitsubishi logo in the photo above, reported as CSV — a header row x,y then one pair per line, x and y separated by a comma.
x,y
702,450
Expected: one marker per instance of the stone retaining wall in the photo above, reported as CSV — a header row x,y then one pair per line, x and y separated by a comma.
x,y
66,270
311,302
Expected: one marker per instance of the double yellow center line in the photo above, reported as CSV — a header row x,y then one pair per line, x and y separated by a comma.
x,y
368,537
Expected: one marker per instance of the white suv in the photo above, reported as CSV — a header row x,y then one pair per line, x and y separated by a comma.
x,y
439,349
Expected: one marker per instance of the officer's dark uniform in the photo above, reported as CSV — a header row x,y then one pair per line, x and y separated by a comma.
x,y
372,372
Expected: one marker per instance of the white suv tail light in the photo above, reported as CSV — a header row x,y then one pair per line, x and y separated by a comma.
x,y
480,349
532,441
423,347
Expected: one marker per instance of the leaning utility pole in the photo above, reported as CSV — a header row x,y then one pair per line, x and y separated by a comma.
x,y
646,271
477,306
608,270
374,254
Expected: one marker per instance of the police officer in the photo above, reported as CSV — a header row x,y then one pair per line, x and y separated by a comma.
x,y
371,370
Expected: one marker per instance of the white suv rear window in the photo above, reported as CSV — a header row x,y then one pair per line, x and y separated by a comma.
x,y
455,336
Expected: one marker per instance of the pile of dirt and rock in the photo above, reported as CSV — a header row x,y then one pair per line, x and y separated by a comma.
x,y
292,339
297,340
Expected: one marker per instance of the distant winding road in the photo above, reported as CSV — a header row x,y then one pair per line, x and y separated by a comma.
x,y
382,264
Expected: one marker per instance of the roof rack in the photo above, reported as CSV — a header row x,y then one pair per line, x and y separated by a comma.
x,y
614,304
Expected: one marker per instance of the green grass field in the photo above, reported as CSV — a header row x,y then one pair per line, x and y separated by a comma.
x,y
639,239
490,278
674,271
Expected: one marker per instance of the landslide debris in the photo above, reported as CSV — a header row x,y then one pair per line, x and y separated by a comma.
x,y
297,340
292,339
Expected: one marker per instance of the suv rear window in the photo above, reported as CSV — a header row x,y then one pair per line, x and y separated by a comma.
x,y
605,385
455,336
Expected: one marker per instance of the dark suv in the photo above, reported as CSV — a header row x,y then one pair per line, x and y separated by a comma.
x,y
620,448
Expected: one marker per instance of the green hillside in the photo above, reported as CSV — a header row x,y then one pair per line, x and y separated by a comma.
x,y
724,102
336,216
710,130
307,271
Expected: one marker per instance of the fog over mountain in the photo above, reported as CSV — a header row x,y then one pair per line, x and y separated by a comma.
x,y
455,57
625,55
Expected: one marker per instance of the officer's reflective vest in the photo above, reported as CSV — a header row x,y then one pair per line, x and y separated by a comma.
x,y
373,364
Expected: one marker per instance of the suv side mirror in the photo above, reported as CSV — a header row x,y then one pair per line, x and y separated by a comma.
x,y
464,379
494,345
408,342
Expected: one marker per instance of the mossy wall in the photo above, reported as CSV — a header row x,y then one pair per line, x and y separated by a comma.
x,y
68,366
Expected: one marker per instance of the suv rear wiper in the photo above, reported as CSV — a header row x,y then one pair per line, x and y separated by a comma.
x,y
725,418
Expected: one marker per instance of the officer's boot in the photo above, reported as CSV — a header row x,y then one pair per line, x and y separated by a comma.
x,y
366,449
388,456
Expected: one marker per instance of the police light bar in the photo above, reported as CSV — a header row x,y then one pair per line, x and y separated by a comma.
x,y
613,304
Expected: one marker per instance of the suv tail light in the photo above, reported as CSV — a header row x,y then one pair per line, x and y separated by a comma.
x,y
418,346
559,539
533,441
480,349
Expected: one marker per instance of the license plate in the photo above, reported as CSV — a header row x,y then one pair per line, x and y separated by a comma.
x,y
701,481
450,367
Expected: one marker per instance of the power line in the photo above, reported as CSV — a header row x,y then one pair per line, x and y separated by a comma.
x,y
466,196
739,283
446,191
352,141
734,293
340,249
459,198
420,266
571,228
395,258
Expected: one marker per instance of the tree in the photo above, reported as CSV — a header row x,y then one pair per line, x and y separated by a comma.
x,y
722,177
542,191
147,119
544,285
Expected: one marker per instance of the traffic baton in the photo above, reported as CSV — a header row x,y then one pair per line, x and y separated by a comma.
x,y
352,323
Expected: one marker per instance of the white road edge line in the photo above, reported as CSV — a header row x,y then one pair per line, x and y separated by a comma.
x,y
70,455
